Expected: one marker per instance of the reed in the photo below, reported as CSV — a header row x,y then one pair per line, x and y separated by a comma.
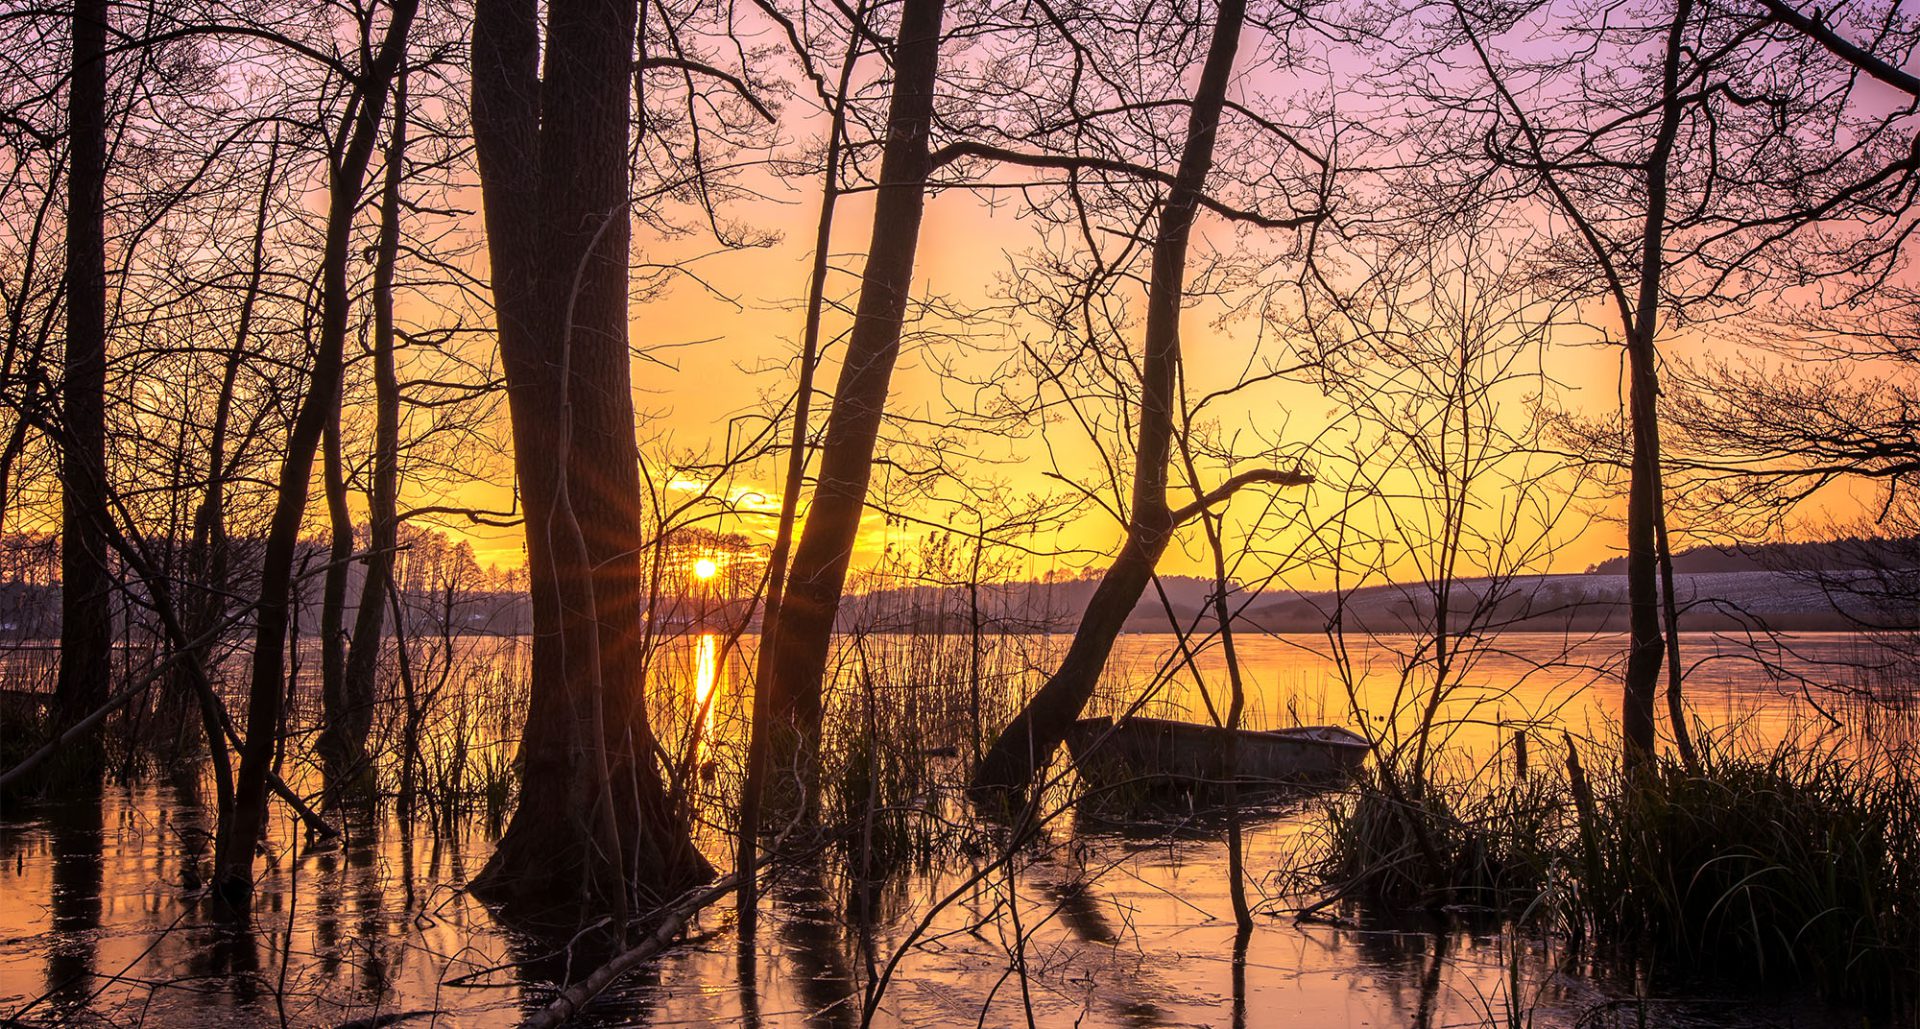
x,y
1445,841
1801,862
1794,863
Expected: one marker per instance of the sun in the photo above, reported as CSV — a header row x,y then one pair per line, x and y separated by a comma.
x,y
705,568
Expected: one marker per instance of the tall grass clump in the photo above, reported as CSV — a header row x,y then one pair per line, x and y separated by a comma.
x,y
1445,841
1798,863
1795,864
880,804
889,755
910,703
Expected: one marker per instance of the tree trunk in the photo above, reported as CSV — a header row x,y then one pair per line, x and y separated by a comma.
x,y
1236,708
86,579
1229,770
340,758
584,194
747,846
592,831
797,653
208,553
1027,742
1646,645
1676,701
233,866
358,689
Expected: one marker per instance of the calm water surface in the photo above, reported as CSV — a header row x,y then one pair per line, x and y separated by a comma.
x,y
1118,925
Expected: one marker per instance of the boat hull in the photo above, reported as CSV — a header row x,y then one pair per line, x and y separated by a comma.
x,y
1161,754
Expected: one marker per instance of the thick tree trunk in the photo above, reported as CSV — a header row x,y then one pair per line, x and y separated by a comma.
x,y
584,194
592,831
796,655
86,579
506,118
1028,742
233,866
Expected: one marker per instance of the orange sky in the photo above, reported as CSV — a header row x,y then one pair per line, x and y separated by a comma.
x,y
728,339
727,351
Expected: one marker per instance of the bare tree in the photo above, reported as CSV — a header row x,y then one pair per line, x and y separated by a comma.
x,y
797,651
349,689
383,500
779,556
1026,744
593,828
359,133
1700,176
86,580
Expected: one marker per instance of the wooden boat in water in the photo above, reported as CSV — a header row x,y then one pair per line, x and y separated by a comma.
x,y
1162,754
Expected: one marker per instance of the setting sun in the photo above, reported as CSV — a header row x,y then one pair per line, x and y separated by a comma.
x,y
705,568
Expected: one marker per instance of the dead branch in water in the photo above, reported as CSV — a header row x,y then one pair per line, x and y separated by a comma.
x,y
568,1003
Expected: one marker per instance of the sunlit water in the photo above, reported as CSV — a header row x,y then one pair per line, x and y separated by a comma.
x,y
1117,926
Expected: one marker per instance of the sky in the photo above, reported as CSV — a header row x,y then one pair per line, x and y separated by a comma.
x,y
723,346
720,343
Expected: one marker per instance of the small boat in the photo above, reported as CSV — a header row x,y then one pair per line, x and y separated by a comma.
x,y
1159,753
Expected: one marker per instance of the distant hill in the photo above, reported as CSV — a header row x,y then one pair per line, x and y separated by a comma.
x,y
1850,554
1833,586
1044,605
1784,601
1780,600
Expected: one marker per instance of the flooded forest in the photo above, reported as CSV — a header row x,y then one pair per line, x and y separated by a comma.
x,y
1051,513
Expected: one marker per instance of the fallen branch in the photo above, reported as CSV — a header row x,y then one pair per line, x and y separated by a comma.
x,y
84,725
382,1021
674,918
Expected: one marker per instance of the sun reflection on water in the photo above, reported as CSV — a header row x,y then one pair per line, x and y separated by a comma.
x,y
706,672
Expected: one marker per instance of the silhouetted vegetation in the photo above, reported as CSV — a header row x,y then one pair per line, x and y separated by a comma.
x,y
492,491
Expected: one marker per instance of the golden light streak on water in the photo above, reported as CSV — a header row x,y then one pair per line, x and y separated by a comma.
x,y
706,671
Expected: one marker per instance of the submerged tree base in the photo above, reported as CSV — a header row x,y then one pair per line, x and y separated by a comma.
x,y
540,877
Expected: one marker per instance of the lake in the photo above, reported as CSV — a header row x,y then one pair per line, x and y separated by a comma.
x,y
1118,924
